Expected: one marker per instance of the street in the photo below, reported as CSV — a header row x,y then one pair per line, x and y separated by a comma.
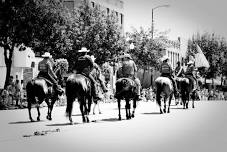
x,y
197,130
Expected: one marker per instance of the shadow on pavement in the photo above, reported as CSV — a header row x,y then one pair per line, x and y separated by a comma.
x,y
24,122
62,124
181,108
151,113
111,120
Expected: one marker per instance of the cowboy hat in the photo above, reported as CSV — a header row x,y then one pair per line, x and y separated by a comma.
x,y
84,49
93,58
165,58
47,55
190,62
126,55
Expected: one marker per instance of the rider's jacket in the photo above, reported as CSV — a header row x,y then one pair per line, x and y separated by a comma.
x,y
129,68
45,69
189,70
179,71
165,68
84,64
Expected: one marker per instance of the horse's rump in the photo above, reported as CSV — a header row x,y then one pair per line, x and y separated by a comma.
x,y
125,87
163,81
77,85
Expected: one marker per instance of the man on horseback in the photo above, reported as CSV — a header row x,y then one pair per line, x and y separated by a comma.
x,y
45,68
129,70
166,71
190,74
179,71
84,66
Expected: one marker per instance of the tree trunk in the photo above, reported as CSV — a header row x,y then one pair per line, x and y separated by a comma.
x,y
8,62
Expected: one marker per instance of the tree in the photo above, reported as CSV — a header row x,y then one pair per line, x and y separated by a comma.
x,y
40,24
94,29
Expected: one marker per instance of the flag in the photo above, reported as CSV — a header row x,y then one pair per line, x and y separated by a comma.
x,y
200,59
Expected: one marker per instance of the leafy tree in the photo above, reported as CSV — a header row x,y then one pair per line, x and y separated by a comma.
x,y
214,48
94,29
40,24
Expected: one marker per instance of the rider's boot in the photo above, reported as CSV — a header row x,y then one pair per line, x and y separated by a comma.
x,y
58,88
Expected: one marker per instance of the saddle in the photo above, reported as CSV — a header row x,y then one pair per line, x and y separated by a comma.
x,y
49,83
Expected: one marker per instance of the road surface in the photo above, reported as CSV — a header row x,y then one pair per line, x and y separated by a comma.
x,y
203,129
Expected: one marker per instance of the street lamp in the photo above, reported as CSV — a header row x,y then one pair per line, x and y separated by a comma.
x,y
152,25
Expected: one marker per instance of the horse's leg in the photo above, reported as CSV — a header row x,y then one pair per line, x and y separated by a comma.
x,y
87,108
94,108
169,103
29,110
81,101
134,108
51,108
37,107
119,108
69,108
158,100
164,109
48,109
127,109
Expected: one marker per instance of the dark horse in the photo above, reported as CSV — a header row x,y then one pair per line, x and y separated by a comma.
x,y
164,89
186,86
78,87
125,90
39,90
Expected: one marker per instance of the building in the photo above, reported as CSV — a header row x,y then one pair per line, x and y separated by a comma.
x,y
108,6
24,65
176,51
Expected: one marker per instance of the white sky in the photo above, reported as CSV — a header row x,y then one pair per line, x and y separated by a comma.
x,y
183,17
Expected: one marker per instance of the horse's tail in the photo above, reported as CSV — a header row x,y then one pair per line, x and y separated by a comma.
x,y
30,92
69,97
159,87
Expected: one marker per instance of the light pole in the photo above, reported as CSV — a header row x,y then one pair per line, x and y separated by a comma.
x,y
152,25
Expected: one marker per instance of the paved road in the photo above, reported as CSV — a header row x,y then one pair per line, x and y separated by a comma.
x,y
195,130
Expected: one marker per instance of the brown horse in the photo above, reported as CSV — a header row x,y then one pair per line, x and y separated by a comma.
x,y
164,89
187,92
78,87
38,90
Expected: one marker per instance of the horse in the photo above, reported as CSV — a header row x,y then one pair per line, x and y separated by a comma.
x,y
187,92
97,75
38,90
125,89
164,89
78,87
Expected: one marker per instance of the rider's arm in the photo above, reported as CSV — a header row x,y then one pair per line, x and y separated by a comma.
x,y
51,72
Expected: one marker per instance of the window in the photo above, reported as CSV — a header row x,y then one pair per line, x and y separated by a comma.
x,y
122,19
93,4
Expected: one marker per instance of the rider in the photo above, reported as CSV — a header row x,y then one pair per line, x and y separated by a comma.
x,y
166,71
45,68
84,66
96,66
179,71
190,73
129,70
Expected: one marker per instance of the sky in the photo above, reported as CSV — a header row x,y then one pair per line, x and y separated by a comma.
x,y
182,17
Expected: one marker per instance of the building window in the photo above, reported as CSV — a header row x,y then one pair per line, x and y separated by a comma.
x,y
117,14
122,19
93,4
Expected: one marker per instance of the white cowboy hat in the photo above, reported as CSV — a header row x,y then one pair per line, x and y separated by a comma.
x,y
93,58
84,49
47,55
126,55
190,62
165,58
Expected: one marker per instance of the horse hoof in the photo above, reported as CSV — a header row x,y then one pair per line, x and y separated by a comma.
x,y
71,123
133,116
38,119
119,118
87,120
32,120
